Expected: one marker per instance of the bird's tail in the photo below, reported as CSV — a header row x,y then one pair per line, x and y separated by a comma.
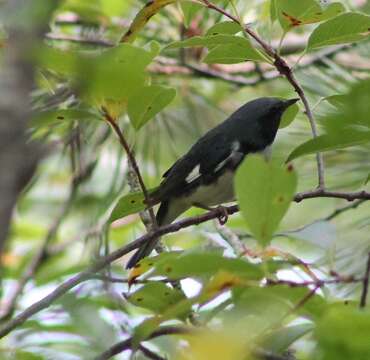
x,y
164,216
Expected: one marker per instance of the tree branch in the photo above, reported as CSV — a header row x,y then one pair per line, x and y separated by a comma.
x,y
365,287
127,344
132,161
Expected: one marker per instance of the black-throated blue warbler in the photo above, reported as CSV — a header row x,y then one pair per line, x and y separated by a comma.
x,y
203,177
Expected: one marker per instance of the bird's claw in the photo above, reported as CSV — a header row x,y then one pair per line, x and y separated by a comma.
x,y
223,216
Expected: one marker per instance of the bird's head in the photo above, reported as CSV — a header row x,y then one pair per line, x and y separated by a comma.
x,y
259,119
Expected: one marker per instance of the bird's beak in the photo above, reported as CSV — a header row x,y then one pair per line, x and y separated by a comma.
x,y
289,102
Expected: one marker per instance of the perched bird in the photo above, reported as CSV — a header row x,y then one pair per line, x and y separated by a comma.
x,y
203,177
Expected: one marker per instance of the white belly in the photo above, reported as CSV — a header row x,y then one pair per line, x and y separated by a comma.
x,y
216,193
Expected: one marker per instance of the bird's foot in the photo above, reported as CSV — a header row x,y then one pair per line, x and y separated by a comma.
x,y
223,215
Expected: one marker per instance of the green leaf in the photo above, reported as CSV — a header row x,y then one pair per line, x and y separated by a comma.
x,y
286,297
189,9
354,109
273,10
148,101
264,191
156,296
21,355
296,13
345,28
207,41
112,74
279,340
337,101
116,73
224,49
224,27
54,116
195,264
127,205
289,115
234,48
343,333
234,53
333,141
85,316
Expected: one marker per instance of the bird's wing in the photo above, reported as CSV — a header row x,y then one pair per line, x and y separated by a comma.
x,y
206,160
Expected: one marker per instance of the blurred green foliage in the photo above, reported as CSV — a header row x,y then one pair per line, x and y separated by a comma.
x,y
185,72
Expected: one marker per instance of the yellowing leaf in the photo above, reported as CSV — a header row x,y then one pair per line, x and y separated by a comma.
x,y
220,282
228,344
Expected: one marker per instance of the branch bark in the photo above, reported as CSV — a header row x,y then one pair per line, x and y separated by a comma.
x,y
365,286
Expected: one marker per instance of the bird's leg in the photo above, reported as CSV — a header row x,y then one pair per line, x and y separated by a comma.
x,y
222,218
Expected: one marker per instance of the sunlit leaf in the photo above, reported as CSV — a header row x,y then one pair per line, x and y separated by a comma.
x,y
264,191
146,102
345,28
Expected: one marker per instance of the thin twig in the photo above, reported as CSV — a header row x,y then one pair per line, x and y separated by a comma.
x,y
43,252
315,283
132,161
37,260
149,353
343,209
127,344
350,196
306,298
365,287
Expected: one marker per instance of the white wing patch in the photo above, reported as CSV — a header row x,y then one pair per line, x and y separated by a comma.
x,y
234,156
235,146
193,174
